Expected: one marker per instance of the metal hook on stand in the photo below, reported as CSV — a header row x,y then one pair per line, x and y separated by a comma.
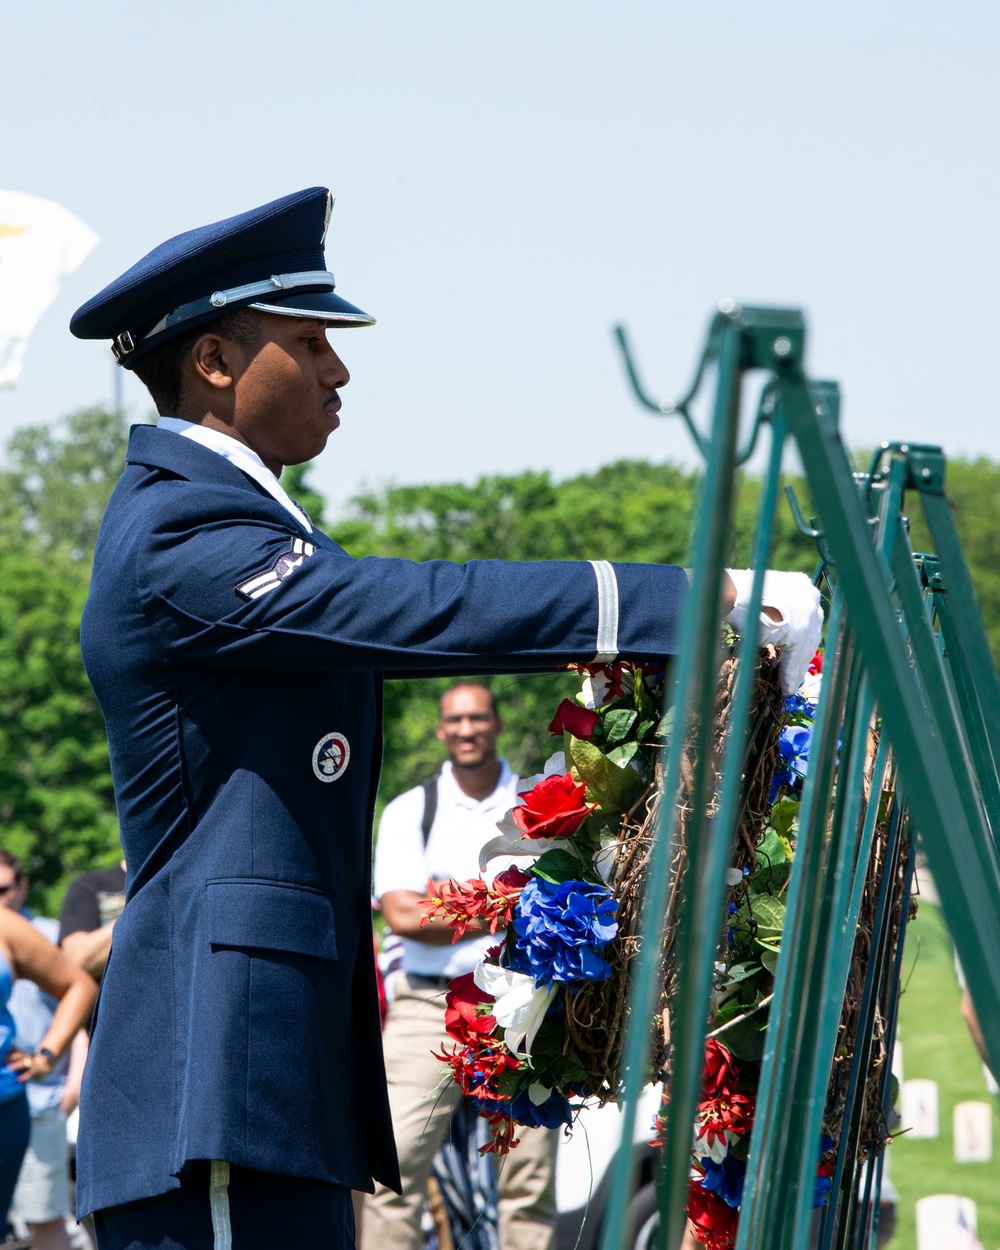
x,y
664,407
728,311
810,530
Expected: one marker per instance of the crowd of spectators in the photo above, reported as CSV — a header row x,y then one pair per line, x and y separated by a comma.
x,y
51,995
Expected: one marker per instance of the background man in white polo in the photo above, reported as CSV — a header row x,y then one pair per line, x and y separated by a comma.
x,y
474,791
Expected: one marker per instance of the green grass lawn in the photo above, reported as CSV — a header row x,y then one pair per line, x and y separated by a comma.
x,y
936,1045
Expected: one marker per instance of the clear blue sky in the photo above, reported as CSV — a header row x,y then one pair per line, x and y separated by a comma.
x,y
512,178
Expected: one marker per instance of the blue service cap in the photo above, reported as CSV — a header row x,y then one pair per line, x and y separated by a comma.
x,y
270,258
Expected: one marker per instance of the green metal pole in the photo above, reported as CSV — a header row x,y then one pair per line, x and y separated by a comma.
x,y
953,844
779,1133
694,695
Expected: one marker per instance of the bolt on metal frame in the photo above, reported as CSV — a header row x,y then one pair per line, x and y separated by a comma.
x,y
904,643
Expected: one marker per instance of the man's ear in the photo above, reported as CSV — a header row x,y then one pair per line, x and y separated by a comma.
x,y
439,732
212,360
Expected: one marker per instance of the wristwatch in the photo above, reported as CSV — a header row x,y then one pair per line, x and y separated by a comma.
x,y
47,1055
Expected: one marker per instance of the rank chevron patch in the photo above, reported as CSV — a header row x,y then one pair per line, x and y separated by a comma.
x,y
271,578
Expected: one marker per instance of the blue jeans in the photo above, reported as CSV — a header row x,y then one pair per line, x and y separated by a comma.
x,y
15,1130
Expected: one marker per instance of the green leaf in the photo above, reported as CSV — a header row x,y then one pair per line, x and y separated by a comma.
x,y
510,1082
740,971
770,961
775,848
617,724
746,1039
774,864
784,813
623,755
768,912
642,699
558,866
666,724
729,1010
612,787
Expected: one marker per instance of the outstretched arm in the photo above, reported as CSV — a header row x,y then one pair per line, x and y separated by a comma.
x,y
36,959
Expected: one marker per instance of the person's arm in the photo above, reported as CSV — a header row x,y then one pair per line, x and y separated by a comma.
x,y
78,1052
83,939
89,951
403,915
38,960
224,586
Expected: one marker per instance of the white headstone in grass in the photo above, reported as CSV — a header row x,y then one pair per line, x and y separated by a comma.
x,y
991,1082
943,1220
919,1111
973,1125
897,1062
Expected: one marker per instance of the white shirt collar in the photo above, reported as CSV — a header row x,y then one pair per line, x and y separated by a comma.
x,y
457,796
241,456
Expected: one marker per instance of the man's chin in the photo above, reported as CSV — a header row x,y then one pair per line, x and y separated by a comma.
x,y
468,761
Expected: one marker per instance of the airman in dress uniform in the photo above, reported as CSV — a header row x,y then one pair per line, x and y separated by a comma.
x,y
235,1092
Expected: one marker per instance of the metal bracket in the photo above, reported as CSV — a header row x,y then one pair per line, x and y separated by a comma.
x,y
810,530
770,338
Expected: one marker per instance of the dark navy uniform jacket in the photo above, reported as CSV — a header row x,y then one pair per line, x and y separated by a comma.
x,y
238,660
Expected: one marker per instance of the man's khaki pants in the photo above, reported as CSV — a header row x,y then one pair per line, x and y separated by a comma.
x,y
423,1100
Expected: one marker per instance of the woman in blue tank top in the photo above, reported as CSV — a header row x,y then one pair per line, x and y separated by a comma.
x,y
25,953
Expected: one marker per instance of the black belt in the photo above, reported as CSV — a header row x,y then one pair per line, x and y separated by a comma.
x,y
420,982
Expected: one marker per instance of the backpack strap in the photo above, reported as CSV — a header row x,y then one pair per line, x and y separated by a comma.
x,y
430,807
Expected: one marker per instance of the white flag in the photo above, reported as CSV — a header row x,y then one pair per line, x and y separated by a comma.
x,y
41,243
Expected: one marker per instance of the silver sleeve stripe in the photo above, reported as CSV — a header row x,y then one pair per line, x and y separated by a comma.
x,y
607,612
270,579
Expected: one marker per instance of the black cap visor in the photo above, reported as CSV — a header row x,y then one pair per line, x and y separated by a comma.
x,y
323,305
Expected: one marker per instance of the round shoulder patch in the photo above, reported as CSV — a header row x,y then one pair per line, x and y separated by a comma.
x,y
330,757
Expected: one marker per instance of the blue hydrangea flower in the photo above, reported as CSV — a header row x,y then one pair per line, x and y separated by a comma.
x,y
555,1110
725,1179
794,747
822,1191
561,928
782,776
823,1183
796,705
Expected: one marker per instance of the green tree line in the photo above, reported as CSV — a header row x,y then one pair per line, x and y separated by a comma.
x,y
56,800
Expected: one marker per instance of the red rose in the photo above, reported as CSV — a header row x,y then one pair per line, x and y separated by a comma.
x,y
555,808
721,1070
579,721
714,1220
462,1015
510,880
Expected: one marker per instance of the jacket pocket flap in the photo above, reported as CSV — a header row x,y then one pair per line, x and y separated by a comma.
x,y
272,915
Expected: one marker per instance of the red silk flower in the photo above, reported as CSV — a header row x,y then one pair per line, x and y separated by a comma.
x,y
720,1072
579,721
555,808
726,1113
462,1015
714,1220
816,663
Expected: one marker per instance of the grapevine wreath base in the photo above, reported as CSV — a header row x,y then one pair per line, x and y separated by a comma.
x,y
539,1027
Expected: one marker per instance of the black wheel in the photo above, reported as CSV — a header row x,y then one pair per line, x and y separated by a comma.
x,y
643,1219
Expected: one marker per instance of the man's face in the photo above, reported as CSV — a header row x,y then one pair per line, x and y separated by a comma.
x,y
468,727
12,891
285,392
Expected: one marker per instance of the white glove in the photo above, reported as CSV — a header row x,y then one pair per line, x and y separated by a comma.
x,y
798,632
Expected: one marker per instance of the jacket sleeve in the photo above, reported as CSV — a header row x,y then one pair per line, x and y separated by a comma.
x,y
247,591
